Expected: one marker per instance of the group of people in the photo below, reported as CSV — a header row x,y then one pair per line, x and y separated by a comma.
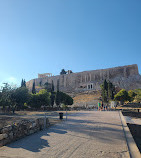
x,y
101,107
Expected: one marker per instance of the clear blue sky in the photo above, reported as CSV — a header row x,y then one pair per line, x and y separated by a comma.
x,y
39,36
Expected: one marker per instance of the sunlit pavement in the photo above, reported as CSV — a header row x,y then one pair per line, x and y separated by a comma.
x,y
85,134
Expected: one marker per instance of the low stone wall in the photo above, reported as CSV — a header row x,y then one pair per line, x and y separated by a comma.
x,y
21,129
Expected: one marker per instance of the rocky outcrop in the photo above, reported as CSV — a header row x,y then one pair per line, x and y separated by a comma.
x,y
21,129
126,77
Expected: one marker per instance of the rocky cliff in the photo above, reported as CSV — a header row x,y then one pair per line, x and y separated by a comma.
x,y
126,77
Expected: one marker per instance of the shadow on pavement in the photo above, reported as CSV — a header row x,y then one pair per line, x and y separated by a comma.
x,y
36,141
101,130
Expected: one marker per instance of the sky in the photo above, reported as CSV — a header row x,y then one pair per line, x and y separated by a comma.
x,y
45,36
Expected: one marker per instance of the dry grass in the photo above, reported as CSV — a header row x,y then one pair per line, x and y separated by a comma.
x,y
20,115
83,98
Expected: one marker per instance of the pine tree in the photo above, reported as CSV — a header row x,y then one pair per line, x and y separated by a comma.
x,y
52,86
58,85
58,99
62,72
33,88
52,98
22,83
107,91
111,90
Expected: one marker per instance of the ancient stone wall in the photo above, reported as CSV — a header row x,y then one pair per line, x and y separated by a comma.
x,y
90,80
19,130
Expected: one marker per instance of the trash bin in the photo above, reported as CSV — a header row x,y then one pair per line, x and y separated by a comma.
x,y
61,115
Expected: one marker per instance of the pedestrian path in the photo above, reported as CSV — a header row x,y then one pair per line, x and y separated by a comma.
x,y
85,134
133,120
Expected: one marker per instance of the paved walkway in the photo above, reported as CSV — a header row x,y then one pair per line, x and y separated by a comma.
x,y
133,120
86,134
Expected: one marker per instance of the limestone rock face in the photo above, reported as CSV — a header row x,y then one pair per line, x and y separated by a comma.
x,y
126,77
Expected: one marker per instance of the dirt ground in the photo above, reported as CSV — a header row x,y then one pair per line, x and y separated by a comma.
x,y
132,114
9,119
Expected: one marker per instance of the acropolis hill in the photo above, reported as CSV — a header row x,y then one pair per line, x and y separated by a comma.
x,y
126,77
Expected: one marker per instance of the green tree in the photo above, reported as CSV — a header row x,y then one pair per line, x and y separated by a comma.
x,y
58,85
68,100
52,86
40,84
111,91
131,95
62,72
58,99
23,83
52,98
122,96
65,98
33,88
40,99
5,95
138,95
107,91
44,97
104,91
48,86
19,96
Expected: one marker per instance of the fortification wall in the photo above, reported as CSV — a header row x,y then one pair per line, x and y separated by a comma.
x,y
122,77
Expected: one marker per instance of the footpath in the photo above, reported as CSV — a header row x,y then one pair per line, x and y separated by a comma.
x,y
85,134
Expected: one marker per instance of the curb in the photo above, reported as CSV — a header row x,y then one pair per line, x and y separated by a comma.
x,y
132,147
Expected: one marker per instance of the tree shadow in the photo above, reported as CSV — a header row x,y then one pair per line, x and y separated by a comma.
x,y
36,141
81,128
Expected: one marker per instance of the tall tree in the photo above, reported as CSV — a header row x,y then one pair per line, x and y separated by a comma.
x,y
58,85
52,98
33,88
52,86
58,99
22,83
5,95
62,72
104,91
111,91
107,91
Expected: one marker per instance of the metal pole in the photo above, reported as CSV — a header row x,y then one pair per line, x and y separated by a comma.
x,y
45,121
66,114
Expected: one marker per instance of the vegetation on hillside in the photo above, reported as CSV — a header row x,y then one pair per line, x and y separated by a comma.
x,y
12,98
109,93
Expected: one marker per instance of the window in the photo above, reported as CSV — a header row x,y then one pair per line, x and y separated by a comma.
x,y
90,86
